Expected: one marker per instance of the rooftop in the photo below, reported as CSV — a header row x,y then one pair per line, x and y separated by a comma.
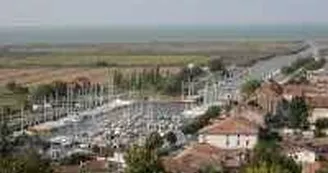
x,y
197,156
271,88
232,125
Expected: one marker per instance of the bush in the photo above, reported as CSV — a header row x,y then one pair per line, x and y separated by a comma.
x,y
315,65
307,63
250,86
16,88
321,124
75,159
102,64
216,64
202,121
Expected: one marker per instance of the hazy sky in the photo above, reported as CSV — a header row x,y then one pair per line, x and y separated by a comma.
x,y
156,12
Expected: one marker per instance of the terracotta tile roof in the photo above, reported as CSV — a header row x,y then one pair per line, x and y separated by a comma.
x,y
317,142
318,101
294,146
311,167
271,88
232,125
198,156
252,114
294,90
92,166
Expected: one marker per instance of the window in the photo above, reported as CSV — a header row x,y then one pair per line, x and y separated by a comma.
x,y
238,139
247,142
227,141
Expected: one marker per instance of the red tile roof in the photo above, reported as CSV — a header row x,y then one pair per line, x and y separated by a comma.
x,y
294,90
271,88
199,156
311,167
92,166
318,101
252,114
231,125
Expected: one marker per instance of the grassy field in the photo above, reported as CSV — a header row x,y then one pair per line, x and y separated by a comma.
x,y
42,75
110,60
142,54
7,98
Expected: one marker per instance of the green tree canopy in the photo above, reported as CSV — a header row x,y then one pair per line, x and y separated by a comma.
x,y
211,169
12,161
250,86
321,123
213,111
171,138
216,64
154,141
298,113
265,167
140,159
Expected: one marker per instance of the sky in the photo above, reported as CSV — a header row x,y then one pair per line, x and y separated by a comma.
x,y
160,12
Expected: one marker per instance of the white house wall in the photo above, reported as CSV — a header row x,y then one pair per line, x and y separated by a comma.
x,y
318,113
304,156
231,141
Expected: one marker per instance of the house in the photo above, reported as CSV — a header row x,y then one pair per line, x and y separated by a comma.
x,y
302,155
319,108
299,151
201,155
99,166
252,114
311,167
231,133
269,95
225,143
292,91
315,93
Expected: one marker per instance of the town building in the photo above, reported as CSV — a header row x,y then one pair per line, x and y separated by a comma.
x,y
201,155
269,95
231,133
226,143
301,155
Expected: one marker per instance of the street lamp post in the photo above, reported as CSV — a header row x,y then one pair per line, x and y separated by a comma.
x,y
190,67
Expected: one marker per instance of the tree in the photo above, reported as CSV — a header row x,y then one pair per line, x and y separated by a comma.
x,y
270,154
265,167
216,64
33,163
211,169
154,141
12,161
5,140
171,138
202,120
44,90
11,86
268,151
298,113
60,88
250,86
140,159
26,163
321,124
213,111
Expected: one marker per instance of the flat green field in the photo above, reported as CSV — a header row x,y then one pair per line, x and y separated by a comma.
x,y
7,98
104,60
